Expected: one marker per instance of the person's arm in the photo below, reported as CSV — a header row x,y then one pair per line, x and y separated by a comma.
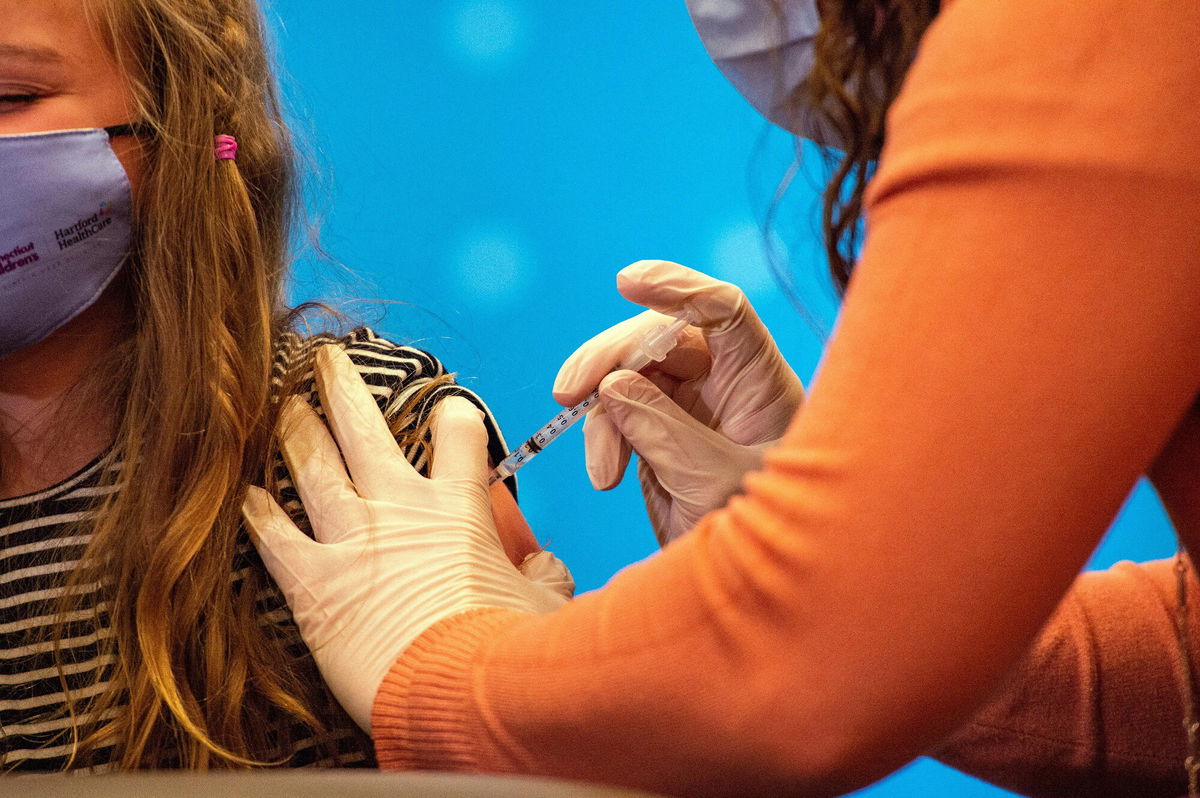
x,y
1096,707
1017,345
515,533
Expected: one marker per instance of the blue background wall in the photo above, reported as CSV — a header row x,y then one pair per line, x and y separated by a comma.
x,y
489,165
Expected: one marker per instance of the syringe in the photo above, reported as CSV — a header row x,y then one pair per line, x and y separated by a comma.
x,y
653,347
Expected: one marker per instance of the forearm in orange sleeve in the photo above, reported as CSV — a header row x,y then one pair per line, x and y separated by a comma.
x,y
1096,707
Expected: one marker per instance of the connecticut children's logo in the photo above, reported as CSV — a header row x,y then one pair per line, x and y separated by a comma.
x,y
18,257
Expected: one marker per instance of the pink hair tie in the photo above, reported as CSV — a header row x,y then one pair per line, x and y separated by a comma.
x,y
226,148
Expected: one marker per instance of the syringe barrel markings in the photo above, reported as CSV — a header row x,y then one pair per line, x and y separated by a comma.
x,y
541,439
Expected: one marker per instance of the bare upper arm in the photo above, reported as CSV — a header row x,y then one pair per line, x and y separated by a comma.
x,y
514,530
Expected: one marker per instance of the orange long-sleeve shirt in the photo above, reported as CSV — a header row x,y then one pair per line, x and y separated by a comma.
x,y
1096,706
1021,340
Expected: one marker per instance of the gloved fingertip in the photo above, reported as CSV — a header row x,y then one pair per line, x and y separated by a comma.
x,y
599,475
574,382
464,406
256,507
549,571
564,381
454,409
459,440
601,441
623,387
667,287
606,472
616,385
261,512
332,362
641,269
636,282
564,395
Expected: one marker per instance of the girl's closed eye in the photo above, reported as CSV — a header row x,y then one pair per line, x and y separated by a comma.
x,y
16,100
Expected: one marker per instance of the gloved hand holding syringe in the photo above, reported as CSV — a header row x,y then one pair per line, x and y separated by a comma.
x,y
652,347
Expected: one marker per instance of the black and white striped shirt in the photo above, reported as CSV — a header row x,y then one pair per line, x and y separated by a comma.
x,y
40,544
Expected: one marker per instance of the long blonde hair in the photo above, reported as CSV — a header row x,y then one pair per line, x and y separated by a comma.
x,y
197,682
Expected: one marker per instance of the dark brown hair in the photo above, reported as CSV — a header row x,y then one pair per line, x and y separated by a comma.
x,y
862,54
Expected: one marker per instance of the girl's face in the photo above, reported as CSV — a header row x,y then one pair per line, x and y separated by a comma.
x,y
56,74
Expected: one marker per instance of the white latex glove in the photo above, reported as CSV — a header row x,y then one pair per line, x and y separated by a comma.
x,y
395,552
701,419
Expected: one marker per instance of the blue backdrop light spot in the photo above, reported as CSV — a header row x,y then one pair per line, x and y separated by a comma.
x,y
489,165
739,256
493,266
486,32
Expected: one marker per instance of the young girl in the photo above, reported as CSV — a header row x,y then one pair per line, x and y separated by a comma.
x,y
147,203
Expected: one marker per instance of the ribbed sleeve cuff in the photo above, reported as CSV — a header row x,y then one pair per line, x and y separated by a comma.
x,y
423,717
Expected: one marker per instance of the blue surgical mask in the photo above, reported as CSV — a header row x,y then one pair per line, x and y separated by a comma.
x,y
65,229
764,59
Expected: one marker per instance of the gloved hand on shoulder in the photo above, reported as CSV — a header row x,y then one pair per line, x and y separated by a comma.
x,y
395,552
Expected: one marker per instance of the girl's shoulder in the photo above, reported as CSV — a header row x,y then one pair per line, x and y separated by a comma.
x,y
380,361
407,384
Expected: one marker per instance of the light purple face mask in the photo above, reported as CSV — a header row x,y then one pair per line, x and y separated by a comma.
x,y
765,59
65,228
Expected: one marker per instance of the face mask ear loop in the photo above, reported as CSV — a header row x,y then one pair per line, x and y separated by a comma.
x,y
135,129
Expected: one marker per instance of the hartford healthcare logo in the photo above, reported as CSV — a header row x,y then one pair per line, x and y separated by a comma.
x,y
85,228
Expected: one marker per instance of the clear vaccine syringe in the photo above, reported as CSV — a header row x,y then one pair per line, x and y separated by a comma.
x,y
652,347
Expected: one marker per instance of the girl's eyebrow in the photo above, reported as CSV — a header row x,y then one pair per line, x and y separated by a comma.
x,y
37,55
